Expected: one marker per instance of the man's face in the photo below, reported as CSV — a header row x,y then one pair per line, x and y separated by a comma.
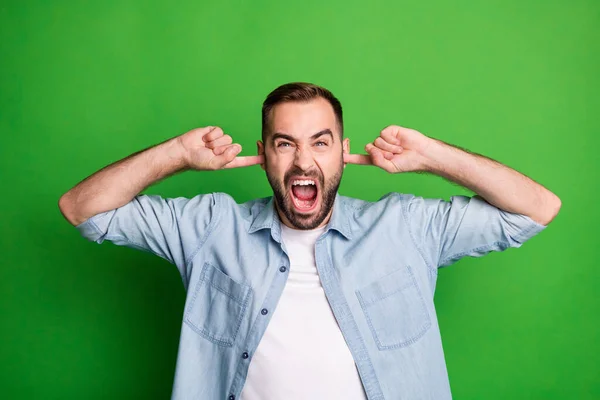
x,y
304,161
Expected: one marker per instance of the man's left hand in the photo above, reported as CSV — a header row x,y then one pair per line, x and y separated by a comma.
x,y
397,149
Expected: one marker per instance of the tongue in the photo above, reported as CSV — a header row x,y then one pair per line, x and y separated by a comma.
x,y
306,192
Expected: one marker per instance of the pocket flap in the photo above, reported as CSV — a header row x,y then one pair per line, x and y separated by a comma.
x,y
223,283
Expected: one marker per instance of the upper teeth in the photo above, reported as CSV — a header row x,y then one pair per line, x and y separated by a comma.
x,y
303,182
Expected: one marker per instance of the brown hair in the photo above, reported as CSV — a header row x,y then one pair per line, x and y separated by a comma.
x,y
299,92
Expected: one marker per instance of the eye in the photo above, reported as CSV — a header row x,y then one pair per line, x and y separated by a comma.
x,y
321,143
283,144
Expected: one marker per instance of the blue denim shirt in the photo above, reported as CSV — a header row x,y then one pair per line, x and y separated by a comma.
x,y
377,261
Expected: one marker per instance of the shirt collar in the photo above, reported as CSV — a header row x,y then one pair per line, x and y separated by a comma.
x,y
267,218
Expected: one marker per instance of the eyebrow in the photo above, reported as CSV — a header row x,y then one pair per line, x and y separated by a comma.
x,y
279,135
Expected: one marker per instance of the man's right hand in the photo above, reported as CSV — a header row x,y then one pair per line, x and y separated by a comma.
x,y
209,148
118,183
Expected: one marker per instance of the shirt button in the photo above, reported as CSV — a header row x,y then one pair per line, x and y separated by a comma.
x,y
264,311
245,354
231,397
282,269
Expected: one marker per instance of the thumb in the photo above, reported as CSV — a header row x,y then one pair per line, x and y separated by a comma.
x,y
227,156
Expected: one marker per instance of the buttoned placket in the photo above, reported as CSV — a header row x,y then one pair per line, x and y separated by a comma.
x,y
260,324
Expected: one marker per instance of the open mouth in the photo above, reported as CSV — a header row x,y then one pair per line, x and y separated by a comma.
x,y
304,194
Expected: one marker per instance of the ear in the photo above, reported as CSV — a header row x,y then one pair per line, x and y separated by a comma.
x,y
345,148
260,148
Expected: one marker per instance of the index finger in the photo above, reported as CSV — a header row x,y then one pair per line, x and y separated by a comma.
x,y
245,161
359,159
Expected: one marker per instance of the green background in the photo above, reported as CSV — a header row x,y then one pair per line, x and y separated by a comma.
x,y
84,84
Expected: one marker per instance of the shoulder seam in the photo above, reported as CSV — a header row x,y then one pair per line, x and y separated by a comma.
x,y
410,232
214,220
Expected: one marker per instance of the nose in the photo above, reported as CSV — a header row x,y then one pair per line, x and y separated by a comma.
x,y
303,159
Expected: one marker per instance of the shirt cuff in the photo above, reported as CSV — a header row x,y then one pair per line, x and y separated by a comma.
x,y
95,228
529,230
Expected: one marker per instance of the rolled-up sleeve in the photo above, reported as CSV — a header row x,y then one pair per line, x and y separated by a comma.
x,y
171,228
465,226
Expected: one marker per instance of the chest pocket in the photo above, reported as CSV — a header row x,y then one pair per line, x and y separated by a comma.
x,y
217,306
395,310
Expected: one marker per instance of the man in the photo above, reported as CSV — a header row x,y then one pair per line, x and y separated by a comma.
x,y
308,294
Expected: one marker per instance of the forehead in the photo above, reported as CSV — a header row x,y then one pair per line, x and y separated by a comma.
x,y
303,119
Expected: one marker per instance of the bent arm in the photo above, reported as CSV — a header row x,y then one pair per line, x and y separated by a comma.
x,y
117,184
498,184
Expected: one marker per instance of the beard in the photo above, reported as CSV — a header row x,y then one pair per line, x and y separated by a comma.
x,y
328,191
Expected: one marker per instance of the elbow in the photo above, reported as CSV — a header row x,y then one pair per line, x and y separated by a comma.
x,y
65,205
556,207
552,208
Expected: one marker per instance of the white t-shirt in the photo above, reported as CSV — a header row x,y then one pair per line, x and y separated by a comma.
x,y
302,354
